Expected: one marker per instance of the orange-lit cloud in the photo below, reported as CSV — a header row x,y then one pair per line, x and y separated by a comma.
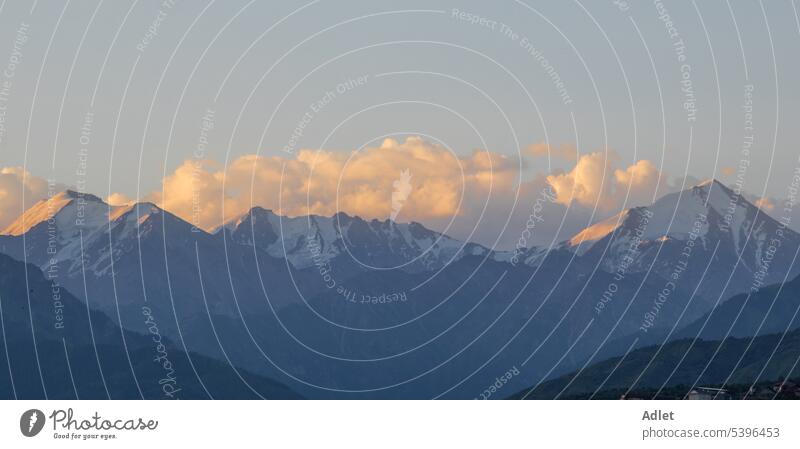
x,y
325,182
16,183
727,171
363,183
413,180
765,204
639,182
594,182
588,183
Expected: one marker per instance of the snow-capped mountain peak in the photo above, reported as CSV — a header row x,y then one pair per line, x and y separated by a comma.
x,y
715,194
68,209
678,215
139,212
707,223
584,239
314,239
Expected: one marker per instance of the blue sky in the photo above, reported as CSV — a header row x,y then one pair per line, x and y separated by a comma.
x,y
430,70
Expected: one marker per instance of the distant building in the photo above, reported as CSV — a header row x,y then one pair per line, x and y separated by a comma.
x,y
695,395
707,394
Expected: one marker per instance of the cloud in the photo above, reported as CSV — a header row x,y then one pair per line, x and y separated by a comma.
x,y
118,199
728,171
594,182
565,152
765,204
477,196
472,196
442,184
16,183
640,182
587,183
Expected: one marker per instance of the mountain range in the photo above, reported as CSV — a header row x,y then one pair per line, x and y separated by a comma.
x,y
345,307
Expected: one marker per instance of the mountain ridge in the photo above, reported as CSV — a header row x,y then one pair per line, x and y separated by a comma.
x,y
238,294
